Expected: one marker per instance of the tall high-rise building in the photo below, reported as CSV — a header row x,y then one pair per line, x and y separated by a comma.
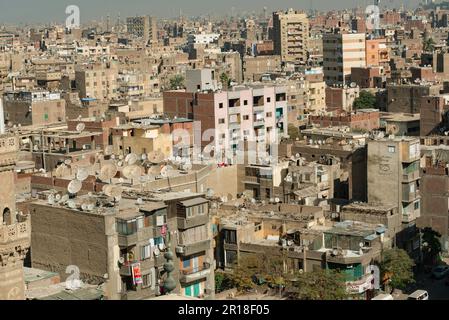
x,y
393,174
143,27
290,35
341,52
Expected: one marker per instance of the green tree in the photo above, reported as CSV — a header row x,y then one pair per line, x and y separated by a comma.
x,y
244,271
225,80
176,82
254,270
428,45
319,285
222,282
365,100
431,244
293,131
397,268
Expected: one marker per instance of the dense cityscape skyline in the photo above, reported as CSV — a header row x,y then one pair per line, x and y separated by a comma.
x,y
45,11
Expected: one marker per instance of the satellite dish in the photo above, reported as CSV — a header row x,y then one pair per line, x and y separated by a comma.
x,y
120,163
144,156
74,186
64,198
51,199
108,171
277,200
156,157
82,174
71,204
154,171
132,172
60,171
121,157
166,170
90,207
58,197
139,201
188,166
67,161
131,158
108,150
80,127
116,192
84,207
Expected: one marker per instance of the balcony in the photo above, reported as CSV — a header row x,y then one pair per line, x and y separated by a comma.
x,y
409,177
140,235
234,110
196,274
259,123
410,196
199,220
234,126
259,108
189,249
145,265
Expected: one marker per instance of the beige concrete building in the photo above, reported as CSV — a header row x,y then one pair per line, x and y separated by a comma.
x,y
97,81
34,108
290,36
143,27
341,52
393,165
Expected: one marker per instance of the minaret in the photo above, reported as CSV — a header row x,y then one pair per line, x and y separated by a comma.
x,y
15,230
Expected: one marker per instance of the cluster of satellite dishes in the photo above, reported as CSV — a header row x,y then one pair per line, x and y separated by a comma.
x,y
142,168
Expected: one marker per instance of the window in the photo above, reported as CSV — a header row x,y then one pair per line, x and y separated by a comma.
x,y
416,205
246,117
186,263
245,102
269,114
221,121
230,236
220,105
268,99
189,212
145,252
391,149
146,280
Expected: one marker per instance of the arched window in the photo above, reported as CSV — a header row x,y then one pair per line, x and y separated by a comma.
x,y
7,219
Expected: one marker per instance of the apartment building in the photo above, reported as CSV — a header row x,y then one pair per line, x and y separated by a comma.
x,y
434,190
393,164
303,240
255,112
144,27
406,98
377,52
255,67
97,81
36,107
290,36
341,52
434,114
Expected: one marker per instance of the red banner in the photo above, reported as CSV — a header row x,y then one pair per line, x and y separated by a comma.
x,y
137,275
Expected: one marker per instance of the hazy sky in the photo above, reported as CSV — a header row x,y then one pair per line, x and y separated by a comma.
x,y
31,11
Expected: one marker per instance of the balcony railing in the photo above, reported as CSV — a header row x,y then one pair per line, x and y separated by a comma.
x,y
195,273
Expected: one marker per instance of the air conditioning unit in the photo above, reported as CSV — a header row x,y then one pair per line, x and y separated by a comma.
x,y
180,249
